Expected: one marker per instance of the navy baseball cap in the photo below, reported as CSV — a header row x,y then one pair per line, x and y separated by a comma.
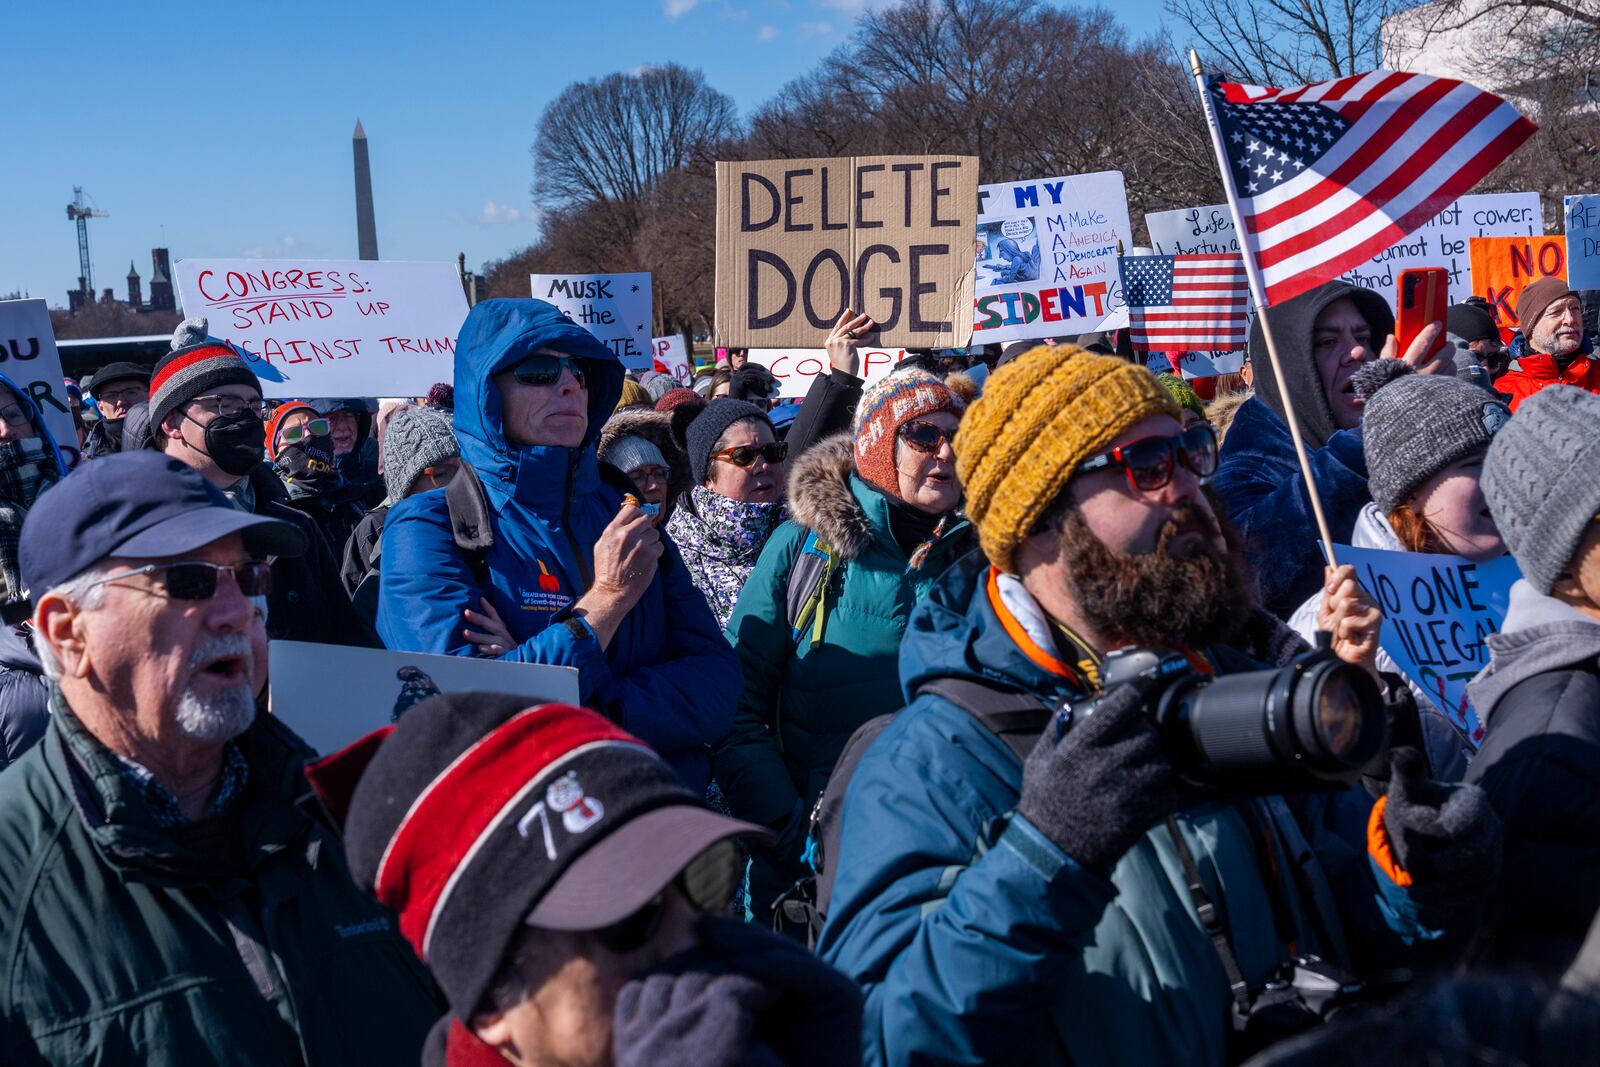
x,y
141,505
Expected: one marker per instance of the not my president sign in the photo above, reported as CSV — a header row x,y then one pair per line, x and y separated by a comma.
x,y
800,240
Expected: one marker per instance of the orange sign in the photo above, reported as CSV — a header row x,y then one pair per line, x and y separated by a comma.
x,y
1504,266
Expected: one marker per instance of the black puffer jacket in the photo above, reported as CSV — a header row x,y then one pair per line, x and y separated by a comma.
x,y
24,696
308,602
1540,764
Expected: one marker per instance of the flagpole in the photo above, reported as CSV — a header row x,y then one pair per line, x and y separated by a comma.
x,y
1258,293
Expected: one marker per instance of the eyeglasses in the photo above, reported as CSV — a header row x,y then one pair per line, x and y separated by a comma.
x,y
926,436
439,475
541,369
773,452
15,415
194,579
229,405
1148,461
312,428
125,397
648,473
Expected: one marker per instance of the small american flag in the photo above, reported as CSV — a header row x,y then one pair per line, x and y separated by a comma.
x,y
1186,303
1331,174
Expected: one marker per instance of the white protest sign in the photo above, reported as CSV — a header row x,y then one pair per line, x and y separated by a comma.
x,y
1441,242
616,308
670,355
332,695
29,358
796,367
333,327
1437,611
1196,364
1047,257
1583,241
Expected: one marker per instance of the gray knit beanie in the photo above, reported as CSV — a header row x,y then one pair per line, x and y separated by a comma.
x,y
1540,480
629,453
1415,425
415,439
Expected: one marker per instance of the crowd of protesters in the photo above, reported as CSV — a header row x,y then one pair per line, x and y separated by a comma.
x,y
875,760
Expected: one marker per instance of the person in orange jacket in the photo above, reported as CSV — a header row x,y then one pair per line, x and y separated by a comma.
x,y
1552,348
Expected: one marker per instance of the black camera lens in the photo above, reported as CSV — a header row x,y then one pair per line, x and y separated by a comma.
x,y
1311,725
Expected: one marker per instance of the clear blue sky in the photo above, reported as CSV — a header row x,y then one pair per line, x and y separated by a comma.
x,y
223,130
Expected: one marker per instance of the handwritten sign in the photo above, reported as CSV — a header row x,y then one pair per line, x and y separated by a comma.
x,y
1441,242
1504,266
1437,611
796,367
1583,241
332,328
616,308
799,240
670,355
29,358
1047,257
332,695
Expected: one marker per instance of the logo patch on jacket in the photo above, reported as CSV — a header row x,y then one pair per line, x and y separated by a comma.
x,y
547,596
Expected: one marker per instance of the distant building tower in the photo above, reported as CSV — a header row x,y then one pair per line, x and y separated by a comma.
x,y
366,226
135,297
161,298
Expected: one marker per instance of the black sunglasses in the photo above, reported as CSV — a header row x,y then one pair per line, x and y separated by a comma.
x,y
1148,461
926,436
745,455
194,579
541,369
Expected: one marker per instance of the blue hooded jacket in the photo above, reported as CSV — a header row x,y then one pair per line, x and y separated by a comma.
x,y
669,676
977,940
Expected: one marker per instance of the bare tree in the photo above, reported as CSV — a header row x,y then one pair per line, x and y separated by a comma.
x,y
1285,42
607,141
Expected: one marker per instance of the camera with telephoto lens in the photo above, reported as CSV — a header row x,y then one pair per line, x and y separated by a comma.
x,y
1313,724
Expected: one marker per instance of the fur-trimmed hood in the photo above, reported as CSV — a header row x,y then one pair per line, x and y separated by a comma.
x,y
655,427
820,498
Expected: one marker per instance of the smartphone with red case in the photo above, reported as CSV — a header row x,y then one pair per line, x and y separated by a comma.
x,y
1424,299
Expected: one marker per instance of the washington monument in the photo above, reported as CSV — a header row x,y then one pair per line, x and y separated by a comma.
x,y
366,227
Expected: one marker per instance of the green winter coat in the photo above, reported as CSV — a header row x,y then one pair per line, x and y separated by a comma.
x,y
120,947
802,702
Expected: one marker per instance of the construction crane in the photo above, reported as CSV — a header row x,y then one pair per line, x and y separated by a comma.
x,y
81,213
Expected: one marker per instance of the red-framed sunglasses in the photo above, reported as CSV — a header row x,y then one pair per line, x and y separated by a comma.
x,y
1148,461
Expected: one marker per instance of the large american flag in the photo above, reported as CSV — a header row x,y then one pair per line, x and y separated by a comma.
x,y
1186,303
1329,175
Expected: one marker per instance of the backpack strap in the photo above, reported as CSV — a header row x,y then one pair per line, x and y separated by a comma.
x,y
469,519
809,577
1016,717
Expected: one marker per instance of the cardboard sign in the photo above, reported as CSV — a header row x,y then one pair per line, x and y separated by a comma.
x,y
1441,242
331,328
1583,241
332,695
796,367
616,308
800,240
1437,610
1504,266
670,355
29,358
1047,257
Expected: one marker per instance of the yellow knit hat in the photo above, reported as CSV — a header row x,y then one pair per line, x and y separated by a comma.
x,y
632,394
1037,418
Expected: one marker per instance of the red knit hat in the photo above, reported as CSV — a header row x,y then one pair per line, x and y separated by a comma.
x,y
281,412
888,405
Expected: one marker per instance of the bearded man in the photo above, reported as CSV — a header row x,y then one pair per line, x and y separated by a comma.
x,y
1027,886
1552,347
174,892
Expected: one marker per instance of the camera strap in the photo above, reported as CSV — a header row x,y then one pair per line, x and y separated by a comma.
x,y
1210,921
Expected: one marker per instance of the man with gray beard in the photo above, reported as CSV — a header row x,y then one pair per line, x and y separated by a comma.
x,y
175,892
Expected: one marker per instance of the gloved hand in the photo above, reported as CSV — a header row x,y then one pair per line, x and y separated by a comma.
x,y
752,382
309,463
1095,792
1446,838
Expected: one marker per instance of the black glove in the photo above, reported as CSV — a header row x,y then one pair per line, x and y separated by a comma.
x,y
752,382
1097,790
309,463
1447,837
